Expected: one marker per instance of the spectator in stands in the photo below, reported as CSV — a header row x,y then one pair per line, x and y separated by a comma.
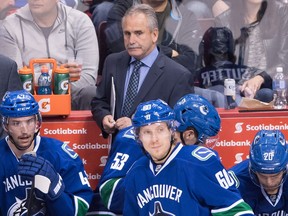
x,y
179,31
217,51
160,77
262,179
260,28
49,29
5,6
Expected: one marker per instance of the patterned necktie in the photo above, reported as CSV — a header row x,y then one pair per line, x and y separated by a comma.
x,y
132,89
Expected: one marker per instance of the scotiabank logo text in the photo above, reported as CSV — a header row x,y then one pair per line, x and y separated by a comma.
x,y
65,131
249,127
90,146
223,143
96,176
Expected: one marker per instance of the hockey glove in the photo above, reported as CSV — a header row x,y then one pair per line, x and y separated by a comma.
x,y
30,165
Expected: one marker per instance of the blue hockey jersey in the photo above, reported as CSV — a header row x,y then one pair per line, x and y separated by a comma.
x,y
256,197
192,181
14,190
125,151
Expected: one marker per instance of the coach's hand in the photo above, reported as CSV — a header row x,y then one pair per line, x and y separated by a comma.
x,y
31,165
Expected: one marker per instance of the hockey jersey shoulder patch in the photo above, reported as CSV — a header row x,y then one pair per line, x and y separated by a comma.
x,y
69,151
202,153
129,134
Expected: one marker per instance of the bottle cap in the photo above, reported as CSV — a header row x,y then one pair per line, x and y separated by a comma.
x,y
279,69
44,69
61,69
25,70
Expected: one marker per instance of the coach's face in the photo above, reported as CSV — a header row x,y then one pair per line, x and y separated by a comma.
x,y
139,39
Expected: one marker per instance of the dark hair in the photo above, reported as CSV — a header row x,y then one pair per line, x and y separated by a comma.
x,y
266,18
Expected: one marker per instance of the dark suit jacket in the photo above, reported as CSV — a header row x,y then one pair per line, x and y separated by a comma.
x,y
166,80
10,79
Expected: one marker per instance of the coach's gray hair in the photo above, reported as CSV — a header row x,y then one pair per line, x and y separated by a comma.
x,y
145,9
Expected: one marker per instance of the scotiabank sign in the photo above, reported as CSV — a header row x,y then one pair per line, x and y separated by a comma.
x,y
84,137
237,134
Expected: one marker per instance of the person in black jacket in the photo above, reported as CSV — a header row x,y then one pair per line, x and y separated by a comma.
x,y
160,77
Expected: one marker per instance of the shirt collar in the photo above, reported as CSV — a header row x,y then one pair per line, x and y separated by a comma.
x,y
148,60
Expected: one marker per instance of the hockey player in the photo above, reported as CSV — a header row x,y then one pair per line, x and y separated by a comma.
x,y
197,120
173,179
261,178
38,175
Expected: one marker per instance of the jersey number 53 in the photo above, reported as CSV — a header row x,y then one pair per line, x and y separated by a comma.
x,y
119,161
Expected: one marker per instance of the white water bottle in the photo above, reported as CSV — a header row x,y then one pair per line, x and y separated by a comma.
x,y
279,88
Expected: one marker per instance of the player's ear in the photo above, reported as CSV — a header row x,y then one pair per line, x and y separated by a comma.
x,y
5,128
189,136
4,124
38,126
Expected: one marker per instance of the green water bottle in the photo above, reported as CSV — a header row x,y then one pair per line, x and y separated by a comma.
x,y
26,77
61,80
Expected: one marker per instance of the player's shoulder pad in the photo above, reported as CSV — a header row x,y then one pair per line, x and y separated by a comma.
x,y
66,148
202,153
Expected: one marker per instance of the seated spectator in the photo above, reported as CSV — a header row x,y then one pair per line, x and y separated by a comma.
x,y
54,30
217,48
179,30
260,32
